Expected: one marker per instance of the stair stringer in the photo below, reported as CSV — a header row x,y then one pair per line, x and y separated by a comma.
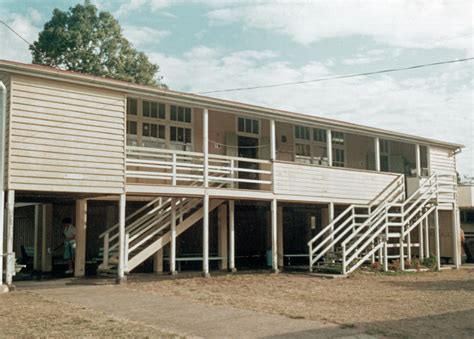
x,y
140,257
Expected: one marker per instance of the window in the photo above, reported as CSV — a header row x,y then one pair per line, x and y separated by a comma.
x,y
338,138
302,133
319,135
153,131
303,150
153,109
131,127
132,106
181,114
339,159
249,126
180,134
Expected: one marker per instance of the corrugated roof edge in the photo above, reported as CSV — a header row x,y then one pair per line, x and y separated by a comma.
x,y
204,101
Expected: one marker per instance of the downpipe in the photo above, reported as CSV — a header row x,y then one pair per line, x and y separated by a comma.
x,y
3,109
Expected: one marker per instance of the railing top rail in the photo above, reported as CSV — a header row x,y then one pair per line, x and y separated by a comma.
x,y
325,229
427,183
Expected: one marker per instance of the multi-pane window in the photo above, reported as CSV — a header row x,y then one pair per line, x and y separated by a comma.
x,y
153,130
250,126
132,106
132,127
302,133
303,150
319,135
338,138
384,155
180,114
339,159
180,134
153,109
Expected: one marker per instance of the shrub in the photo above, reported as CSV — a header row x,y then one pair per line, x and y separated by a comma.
x,y
430,262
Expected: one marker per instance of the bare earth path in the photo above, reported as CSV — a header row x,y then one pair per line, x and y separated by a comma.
x,y
176,315
427,304
434,304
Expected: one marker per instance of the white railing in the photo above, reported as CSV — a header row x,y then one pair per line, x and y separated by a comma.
x,y
372,236
350,220
181,167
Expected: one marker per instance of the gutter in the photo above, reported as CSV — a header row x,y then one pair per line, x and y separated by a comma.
x,y
3,112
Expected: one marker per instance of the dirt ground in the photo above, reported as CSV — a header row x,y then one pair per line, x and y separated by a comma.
x,y
27,315
439,304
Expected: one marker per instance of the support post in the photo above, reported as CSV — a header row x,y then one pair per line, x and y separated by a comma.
x,y
421,244
329,146
418,160
81,229
47,238
456,238
377,154
173,238
330,219
281,262
274,236
232,236
205,237
10,222
37,243
158,261
409,246
122,246
427,238
205,146
2,227
402,249
222,235
437,246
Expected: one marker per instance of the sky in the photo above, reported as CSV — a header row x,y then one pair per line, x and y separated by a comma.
x,y
211,45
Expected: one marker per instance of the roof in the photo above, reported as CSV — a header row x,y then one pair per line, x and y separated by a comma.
x,y
211,103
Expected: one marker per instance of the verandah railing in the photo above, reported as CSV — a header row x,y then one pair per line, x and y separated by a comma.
x,y
163,166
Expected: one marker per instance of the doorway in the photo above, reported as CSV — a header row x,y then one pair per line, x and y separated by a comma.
x,y
248,148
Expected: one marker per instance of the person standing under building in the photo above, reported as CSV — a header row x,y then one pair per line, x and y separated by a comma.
x,y
69,234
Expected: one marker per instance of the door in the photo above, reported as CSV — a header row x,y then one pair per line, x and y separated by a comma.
x,y
248,148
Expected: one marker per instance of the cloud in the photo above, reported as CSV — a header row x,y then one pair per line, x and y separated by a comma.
x,y
143,36
404,23
439,106
12,47
149,5
365,58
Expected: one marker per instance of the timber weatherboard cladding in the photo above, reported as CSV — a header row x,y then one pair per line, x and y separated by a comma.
x,y
66,138
443,162
329,183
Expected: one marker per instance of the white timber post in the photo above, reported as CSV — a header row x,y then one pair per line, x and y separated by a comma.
x,y
437,246
456,238
377,154
47,238
273,150
421,245
427,238
10,223
418,160
330,219
329,146
274,221
222,235
36,256
281,262
173,167
205,237
205,220
81,229
122,246
173,238
232,236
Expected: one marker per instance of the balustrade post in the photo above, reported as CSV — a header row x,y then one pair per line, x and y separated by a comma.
x,y
377,154
232,173
174,174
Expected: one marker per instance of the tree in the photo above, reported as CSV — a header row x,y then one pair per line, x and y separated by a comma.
x,y
86,41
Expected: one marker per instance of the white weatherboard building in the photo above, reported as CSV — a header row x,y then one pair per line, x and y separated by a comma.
x,y
161,180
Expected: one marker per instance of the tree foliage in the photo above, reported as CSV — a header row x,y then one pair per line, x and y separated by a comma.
x,y
85,40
